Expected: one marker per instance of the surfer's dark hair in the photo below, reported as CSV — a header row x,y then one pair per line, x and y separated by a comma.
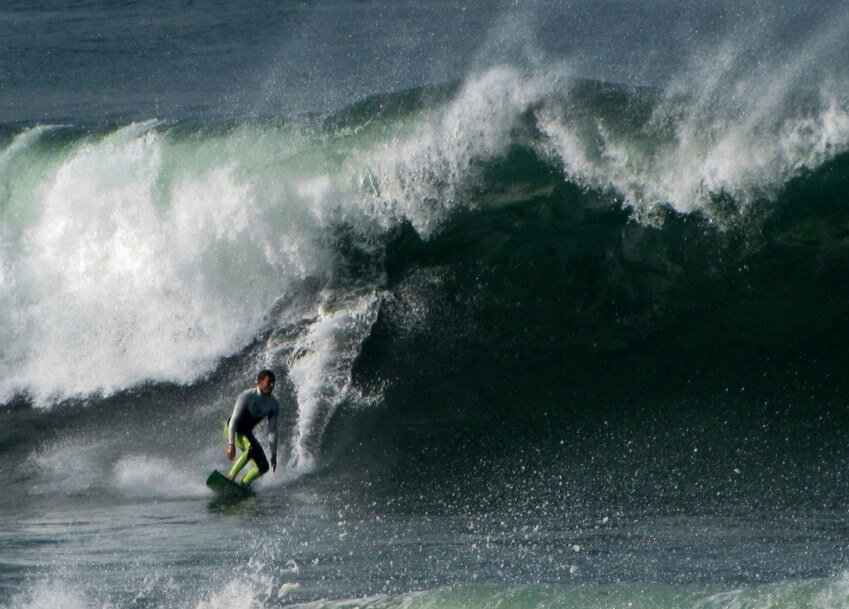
x,y
263,374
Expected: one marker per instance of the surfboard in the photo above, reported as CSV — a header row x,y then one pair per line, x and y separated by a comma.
x,y
219,483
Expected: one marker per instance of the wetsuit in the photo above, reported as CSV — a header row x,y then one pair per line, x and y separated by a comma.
x,y
251,408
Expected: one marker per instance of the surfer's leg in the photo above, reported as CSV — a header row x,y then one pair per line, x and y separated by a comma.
x,y
253,474
260,462
243,445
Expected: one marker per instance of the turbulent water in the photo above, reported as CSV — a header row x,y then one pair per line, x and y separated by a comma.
x,y
556,293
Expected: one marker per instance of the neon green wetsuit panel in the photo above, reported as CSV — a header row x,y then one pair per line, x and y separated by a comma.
x,y
243,445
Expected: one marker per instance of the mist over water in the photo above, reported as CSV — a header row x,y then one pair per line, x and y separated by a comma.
x,y
555,293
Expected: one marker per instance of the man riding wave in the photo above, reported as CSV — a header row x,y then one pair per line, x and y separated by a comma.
x,y
252,406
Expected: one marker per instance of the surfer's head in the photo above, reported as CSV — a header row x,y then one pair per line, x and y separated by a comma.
x,y
265,381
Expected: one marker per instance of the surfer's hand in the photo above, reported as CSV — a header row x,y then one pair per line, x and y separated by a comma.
x,y
230,452
273,463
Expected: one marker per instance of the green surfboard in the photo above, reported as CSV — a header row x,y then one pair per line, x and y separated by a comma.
x,y
219,483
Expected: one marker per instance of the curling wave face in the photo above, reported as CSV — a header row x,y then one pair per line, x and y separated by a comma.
x,y
148,252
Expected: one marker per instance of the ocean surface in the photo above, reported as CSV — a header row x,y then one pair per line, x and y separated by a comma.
x,y
557,293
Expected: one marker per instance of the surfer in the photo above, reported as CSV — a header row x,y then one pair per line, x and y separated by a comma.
x,y
252,406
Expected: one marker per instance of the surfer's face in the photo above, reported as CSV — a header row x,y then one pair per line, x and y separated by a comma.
x,y
265,385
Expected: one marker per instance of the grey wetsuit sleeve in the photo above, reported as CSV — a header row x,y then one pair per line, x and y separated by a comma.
x,y
238,410
272,432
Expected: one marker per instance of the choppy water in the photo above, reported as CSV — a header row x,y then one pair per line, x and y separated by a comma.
x,y
556,294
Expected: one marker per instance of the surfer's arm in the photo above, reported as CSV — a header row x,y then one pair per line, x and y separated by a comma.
x,y
238,412
272,434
